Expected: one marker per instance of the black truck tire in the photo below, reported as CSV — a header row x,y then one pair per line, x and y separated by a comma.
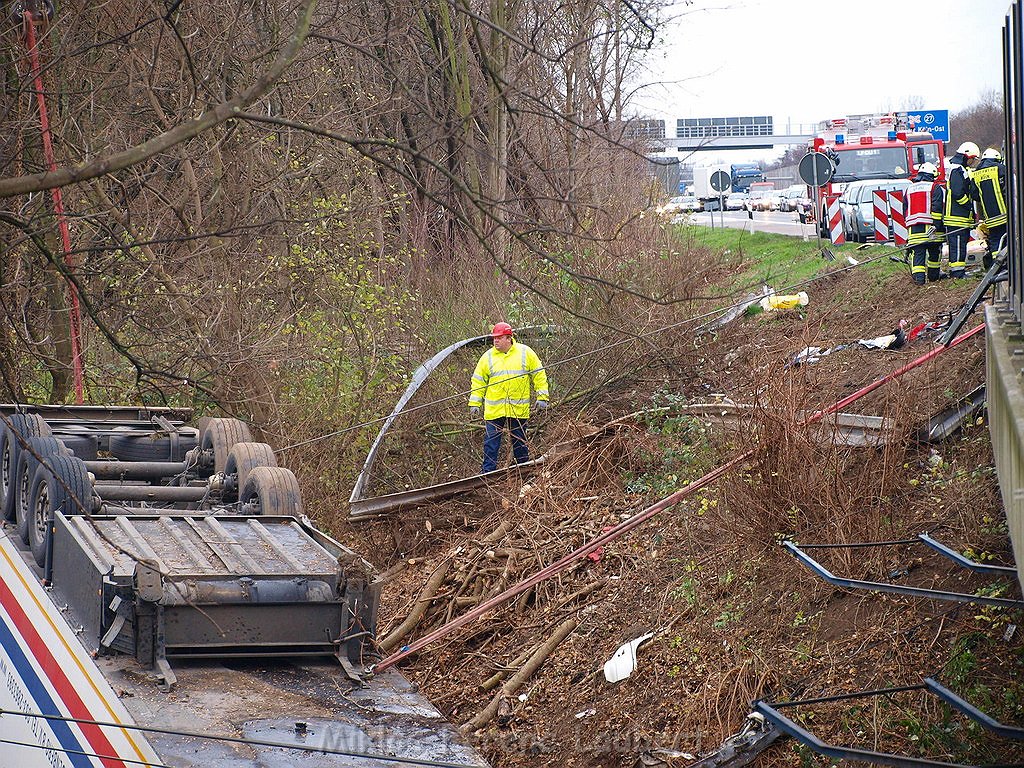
x,y
271,491
28,461
220,435
243,458
19,426
129,444
60,484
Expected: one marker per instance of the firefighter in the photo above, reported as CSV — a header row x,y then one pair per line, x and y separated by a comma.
x,y
957,210
988,189
501,385
922,209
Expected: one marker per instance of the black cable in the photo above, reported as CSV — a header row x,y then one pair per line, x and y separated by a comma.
x,y
847,696
860,544
66,751
228,739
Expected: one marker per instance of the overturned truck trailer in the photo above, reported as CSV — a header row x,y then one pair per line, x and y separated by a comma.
x,y
164,601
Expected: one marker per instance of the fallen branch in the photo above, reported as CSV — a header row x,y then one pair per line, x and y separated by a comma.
x,y
498,533
582,592
524,674
419,609
492,682
397,569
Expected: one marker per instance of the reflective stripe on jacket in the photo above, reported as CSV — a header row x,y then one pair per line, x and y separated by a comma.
x,y
502,381
988,181
958,211
917,203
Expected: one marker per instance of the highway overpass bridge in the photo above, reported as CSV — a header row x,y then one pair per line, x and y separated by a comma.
x,y
697,134
736,142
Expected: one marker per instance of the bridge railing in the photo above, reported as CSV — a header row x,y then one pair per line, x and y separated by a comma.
x,y
1004,338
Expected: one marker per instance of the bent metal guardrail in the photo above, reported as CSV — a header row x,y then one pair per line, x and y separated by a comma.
x,y
362,508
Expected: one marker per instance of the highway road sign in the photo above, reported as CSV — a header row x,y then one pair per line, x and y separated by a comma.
x,y
720,181
935,121
815,169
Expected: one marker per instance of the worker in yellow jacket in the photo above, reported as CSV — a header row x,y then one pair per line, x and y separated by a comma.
x,y
501,385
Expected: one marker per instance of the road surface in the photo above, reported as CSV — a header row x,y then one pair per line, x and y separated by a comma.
x,y
763,221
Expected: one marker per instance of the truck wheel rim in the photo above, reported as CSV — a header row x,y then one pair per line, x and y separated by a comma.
x,y
42,509
5,468
23,501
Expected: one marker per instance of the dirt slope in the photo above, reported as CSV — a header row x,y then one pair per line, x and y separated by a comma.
x,y
734,617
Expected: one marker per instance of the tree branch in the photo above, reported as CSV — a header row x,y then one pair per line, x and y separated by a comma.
x,y
21,185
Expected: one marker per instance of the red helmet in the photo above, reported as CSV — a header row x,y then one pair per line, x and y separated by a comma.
x,y
501,329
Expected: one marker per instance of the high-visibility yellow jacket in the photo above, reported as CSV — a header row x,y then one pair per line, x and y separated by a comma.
x,y
957,213
502,380
988,182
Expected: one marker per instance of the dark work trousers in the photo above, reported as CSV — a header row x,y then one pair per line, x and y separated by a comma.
x,y
494,429
957,241
926,258
995,234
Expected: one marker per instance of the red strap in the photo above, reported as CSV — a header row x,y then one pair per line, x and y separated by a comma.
x,y
58,205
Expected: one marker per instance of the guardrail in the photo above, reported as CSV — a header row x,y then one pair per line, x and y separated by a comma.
x,y
1004,337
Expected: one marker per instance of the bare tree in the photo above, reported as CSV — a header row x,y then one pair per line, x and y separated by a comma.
x,y
265,201
981,123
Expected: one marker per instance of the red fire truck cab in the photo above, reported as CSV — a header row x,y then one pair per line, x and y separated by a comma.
x,y
871,147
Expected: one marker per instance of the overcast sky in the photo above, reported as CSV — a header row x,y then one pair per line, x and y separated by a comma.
x,y
809,60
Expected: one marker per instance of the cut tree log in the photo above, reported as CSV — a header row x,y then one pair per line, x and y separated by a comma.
x,y
419,609
525,673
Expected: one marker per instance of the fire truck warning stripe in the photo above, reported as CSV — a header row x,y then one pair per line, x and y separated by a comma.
x,y
56,675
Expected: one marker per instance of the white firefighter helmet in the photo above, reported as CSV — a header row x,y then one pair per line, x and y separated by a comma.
x,y
968,149
991,154
928,168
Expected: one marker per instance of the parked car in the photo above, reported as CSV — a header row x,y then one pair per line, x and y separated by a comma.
x,y
736,201
793,198
857,208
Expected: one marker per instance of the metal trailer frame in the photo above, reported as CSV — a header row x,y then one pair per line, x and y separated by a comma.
x,y
168,584
771,712
156,582
947,422
797,550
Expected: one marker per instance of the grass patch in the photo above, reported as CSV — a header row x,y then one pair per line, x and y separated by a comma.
x,y
781,261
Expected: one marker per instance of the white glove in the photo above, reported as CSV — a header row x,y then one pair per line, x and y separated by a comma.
x,y
542,405
474,411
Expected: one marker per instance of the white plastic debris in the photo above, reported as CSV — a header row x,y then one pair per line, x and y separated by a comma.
x,y
623,662
880,342
890,341
810,355
893,340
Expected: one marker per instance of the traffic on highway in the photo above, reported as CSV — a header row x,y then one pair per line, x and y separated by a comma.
x,y
776,222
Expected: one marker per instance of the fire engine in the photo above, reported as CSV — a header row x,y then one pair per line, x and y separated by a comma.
x,y
871,147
